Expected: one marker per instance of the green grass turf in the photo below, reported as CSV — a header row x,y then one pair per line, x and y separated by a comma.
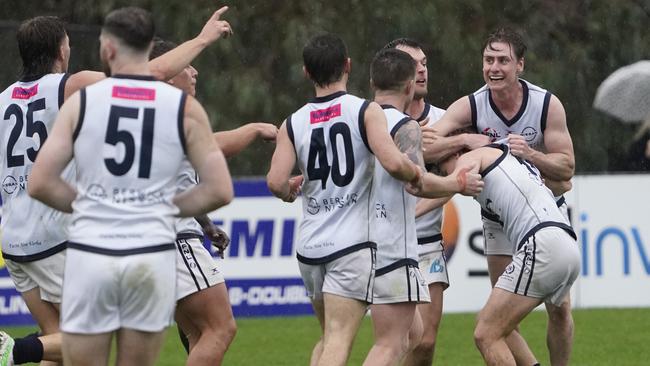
x,y
602,337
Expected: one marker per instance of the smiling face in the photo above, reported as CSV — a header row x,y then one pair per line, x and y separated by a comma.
x,y
501,68
421,72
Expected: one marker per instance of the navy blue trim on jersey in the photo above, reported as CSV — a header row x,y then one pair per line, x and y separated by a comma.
x,y
545,224
181,119
134,77
404,262
425,112
121,252
532,267
491,216
399,125
362,124
336,255
490,167
186,235
37,256
290,132
430,239
29,79
520,112
64,79
387,106
329,97
560,201
474,113
547,102
82,113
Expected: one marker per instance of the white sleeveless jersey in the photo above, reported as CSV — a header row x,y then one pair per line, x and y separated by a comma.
x,y
530,120
187,179
429,225
515,195
30,229
393,218
128,145
333,155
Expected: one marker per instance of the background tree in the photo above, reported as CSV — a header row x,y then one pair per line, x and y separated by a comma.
x,y
257,73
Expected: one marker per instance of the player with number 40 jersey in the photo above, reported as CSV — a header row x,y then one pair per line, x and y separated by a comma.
x,y
331,148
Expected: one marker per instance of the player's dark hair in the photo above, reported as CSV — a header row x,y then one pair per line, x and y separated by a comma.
x,y
160,47
324,57
391,69
133,26
509,36
405,42
39,42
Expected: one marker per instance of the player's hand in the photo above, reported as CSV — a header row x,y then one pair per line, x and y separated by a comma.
x,y
218,238
415,186
475,140
429,137
519,147
470,182
266,131
424,122
295,185
215,28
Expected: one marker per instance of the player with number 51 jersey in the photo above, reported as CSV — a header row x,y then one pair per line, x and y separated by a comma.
x,y
133,173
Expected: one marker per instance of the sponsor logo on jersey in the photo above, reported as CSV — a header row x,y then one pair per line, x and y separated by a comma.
x,y
529,133
9,184
324,115
313,207
491,133
24,93
125,92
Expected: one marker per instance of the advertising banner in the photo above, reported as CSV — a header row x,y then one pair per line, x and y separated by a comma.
x,y
609,214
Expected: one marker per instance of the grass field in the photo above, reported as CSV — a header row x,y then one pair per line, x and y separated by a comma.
x,y
602,337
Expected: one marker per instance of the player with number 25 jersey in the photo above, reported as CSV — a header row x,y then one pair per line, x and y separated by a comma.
x,y
30,230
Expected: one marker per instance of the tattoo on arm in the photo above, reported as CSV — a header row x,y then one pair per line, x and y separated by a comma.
x,y
409,141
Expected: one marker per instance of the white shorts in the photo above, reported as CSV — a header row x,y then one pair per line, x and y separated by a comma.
x,y
433,264
351,276
544,267
403,284
196,270
103,293
46,274
495,240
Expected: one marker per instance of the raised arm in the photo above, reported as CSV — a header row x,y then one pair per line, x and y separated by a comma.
x,y
233,141
389,156
279,178
215,186
45,182
558,162
169,64
173,62
435,143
